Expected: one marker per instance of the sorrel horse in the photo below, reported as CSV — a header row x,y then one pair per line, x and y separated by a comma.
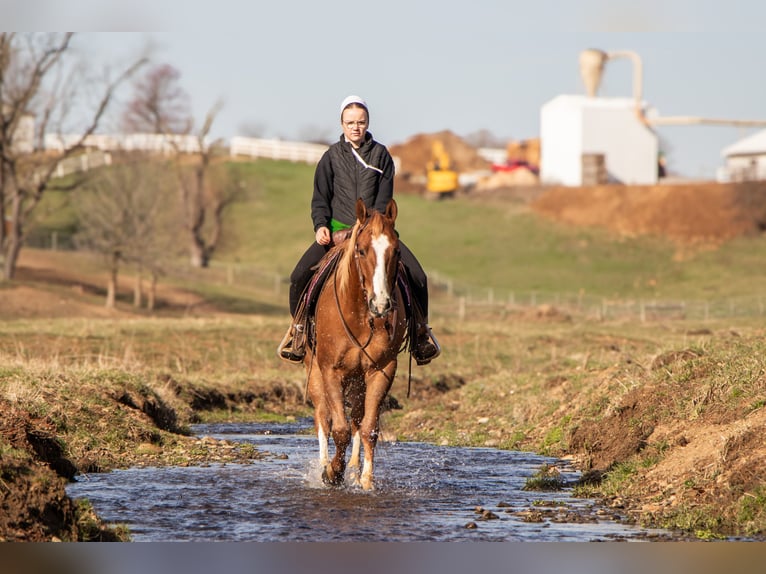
x,y
360,328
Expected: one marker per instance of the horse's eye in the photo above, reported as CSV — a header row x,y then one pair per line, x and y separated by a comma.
x,y
361,253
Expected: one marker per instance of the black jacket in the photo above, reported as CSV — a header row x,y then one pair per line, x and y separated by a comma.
x,y
340,178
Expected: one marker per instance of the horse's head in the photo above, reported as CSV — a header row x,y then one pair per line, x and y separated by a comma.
x,y
376,251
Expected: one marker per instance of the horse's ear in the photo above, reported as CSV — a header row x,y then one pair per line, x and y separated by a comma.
x,y
392,210
361,211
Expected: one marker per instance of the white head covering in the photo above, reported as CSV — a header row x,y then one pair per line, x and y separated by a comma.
x,y
352,100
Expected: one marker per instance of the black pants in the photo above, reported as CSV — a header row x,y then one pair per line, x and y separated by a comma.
x,y
302,274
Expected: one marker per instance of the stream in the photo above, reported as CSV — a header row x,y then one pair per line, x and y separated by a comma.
x,y
423,492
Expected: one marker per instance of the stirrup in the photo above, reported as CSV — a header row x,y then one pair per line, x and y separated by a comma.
x,y
426,347
291,347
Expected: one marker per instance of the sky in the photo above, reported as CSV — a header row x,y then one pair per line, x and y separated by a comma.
x,y
282,67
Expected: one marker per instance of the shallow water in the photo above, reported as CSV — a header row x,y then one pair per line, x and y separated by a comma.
x,y
423,493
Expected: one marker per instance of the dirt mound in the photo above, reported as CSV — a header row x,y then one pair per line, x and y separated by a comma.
x,y
415,153
690,213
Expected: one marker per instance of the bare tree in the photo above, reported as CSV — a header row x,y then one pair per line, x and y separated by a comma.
x,y
154,240
315,134
485,138
204,198
160,104
104,215
125,214
37,79
252,129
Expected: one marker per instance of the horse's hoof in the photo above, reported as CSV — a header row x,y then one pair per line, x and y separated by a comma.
x,y
330,478
353,478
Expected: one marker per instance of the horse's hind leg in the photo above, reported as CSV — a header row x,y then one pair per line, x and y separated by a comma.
x,y
369,436
321,416
323,437
355,397
356,447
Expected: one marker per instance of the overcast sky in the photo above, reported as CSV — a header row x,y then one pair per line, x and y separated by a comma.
x,y
285,65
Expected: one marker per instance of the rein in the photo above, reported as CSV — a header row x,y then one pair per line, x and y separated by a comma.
x,y
346,328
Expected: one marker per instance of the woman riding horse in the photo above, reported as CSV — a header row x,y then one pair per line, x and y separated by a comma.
x,y
356,167
360,329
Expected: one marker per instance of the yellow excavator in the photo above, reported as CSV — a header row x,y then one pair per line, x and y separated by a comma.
x,y
442,180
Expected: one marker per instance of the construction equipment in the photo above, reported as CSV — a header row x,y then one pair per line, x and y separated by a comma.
x,y
442,180
520,154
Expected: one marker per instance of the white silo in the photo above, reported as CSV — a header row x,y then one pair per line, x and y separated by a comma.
x,y
586,139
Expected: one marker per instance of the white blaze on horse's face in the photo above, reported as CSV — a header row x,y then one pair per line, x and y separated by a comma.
x,y
380,303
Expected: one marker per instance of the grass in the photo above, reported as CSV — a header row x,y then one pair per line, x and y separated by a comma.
x,y
476,246
545,479
533,381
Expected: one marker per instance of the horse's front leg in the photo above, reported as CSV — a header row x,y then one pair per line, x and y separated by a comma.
x,y
377,387
341,434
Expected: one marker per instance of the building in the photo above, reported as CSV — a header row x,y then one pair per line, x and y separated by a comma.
x,y
23,139
744,160
591,140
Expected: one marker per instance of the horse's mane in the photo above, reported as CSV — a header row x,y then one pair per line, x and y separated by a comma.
x,y
375,222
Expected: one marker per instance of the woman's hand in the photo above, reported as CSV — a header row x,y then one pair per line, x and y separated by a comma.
x,y
323,236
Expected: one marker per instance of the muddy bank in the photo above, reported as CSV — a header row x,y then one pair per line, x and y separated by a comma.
x,y
107,429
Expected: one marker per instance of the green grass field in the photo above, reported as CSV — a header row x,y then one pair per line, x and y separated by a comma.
x,y
499,245
482,249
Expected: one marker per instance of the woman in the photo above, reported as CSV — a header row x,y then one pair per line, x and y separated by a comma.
x,y
355,166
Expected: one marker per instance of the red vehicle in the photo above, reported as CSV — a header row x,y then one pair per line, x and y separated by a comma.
x,y
513,165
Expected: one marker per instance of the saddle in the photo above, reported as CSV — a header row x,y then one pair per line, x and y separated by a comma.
x,y
323,269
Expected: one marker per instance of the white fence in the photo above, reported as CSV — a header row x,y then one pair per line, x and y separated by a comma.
x,y
493,155
170,143
158,143
277,149
83,162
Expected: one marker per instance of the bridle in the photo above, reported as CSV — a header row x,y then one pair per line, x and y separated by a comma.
x,y
391,315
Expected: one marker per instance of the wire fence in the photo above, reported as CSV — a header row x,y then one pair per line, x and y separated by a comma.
x,y
482,300
456,300
600,308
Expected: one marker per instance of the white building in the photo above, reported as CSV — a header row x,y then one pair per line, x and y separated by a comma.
x,y
23,139
744,160
586,140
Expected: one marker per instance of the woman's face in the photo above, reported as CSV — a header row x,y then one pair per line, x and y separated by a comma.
x,y
354,124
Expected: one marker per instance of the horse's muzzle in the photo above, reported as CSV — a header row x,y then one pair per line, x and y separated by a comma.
x,y
380,308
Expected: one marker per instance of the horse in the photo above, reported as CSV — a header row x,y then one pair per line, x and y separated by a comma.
x,y
360,327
